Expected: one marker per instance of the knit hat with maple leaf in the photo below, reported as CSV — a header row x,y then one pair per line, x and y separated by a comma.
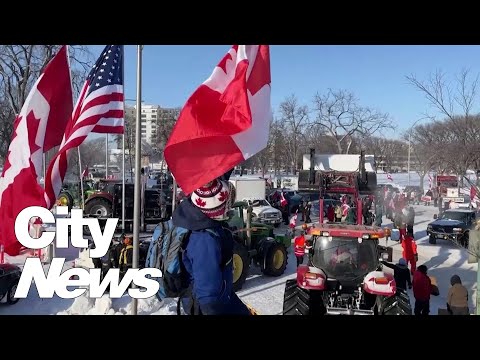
x,y
214,199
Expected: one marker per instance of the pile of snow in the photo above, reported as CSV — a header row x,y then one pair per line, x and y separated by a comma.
x,y
84,305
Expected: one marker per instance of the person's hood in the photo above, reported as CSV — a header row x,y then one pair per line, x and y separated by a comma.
x,y
402,262
455,279
188,216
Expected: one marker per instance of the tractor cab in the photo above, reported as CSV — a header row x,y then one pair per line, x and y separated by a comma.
x,y
346,253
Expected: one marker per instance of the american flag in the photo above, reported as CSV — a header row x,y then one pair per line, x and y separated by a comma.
x,y
99,109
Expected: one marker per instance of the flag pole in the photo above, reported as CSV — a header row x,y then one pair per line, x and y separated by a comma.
x,y
138,183
81,178
106,156
44,168
123,143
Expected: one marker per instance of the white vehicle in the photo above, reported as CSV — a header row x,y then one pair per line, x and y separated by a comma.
x,y
263,212
249,187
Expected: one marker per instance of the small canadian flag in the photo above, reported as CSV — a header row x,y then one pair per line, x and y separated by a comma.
x,y
389,177
85,172
283,201
293,220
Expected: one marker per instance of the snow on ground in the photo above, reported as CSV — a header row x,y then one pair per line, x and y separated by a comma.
x,y
265,294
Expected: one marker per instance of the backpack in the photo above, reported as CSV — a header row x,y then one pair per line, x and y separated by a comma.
x,y
166,253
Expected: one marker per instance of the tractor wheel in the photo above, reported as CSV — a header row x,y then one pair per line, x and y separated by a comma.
x,y
398,304
98,207
298,301
240,264
276,260
66,200
432,240
11,294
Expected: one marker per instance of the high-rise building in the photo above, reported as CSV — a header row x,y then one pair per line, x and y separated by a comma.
x,y
151,116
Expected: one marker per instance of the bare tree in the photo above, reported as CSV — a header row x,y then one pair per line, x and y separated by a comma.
x,y
21,65
294,117
165,126
7,117
427,150
278,146
91,152
341,117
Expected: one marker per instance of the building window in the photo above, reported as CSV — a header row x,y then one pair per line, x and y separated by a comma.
x,y
154,116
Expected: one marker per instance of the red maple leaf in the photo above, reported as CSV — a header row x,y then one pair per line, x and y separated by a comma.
x,y
260,74
200,202
32,128
223,196
223,63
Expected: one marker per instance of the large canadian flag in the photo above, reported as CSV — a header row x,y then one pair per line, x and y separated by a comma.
x,y
39,127
225,121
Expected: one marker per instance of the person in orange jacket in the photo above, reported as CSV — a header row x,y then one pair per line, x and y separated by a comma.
x,y
410,252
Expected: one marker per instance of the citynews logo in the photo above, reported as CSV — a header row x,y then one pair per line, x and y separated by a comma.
x,y
61,283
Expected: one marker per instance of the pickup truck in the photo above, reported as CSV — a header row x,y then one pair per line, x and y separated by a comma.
x,y
452,224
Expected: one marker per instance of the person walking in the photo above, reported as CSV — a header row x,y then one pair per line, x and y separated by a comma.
x,y
457,298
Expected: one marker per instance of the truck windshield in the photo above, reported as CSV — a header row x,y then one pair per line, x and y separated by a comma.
x,y
344,258
454,215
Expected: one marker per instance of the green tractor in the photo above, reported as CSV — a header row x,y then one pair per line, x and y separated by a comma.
x,y
70,194
255,243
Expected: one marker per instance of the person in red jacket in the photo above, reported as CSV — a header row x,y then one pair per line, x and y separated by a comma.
x,y
331,213
410,252
422,289
299,251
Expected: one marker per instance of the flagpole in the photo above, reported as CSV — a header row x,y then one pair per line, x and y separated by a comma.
x,y
81,178
123,143
44,168
138,184
106,156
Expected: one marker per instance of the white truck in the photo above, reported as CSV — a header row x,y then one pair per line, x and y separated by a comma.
x,y
253,191
249,187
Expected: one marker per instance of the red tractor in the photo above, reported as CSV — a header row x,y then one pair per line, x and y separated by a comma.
x,y
344,274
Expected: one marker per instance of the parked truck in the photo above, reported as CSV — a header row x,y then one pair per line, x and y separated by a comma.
x,y
249,187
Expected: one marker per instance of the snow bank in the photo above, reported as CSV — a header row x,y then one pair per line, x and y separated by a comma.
x,y
83,305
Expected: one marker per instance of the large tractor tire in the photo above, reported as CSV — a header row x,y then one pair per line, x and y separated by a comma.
x,y
66,199
98,207
240,264
276,260
398,304
298,301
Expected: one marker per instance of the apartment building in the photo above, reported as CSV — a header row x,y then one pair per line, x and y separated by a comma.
x,y
151,116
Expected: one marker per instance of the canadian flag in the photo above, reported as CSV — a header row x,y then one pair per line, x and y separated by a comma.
x,y
473,193
389,177
39,127
430,180
85,172
293,220
225,121
283,201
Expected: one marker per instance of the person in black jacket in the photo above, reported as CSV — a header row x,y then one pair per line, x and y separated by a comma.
x,y
401,274
126,255
410,220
